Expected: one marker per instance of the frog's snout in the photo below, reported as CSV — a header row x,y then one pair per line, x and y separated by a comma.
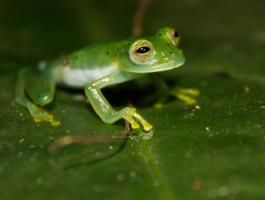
x,y
180,59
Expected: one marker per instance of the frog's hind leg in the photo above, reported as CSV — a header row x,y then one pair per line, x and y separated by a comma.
x,y
40,88
187,95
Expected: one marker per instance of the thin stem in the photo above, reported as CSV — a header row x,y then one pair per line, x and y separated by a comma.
x,y
92,139
138,19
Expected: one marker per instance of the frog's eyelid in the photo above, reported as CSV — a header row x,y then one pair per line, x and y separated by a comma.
x,y
144,45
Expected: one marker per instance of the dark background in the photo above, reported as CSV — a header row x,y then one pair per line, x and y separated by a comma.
x,y
216,152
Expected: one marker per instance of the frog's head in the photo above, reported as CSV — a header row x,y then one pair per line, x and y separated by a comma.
x,y
155,53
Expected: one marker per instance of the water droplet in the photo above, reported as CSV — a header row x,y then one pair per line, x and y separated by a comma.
x,y
196,184
157,162
39,181
148,135
197,107
246,89
120,177
132,174
156,183
21,140
223,191
207,128
20,153
97,188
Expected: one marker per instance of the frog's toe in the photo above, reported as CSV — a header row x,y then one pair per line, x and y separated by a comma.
x,y
187,99
40,115
188,91
132,122
146,125
136,124
129,117
49,118
55,122
136,120
37,119
186,95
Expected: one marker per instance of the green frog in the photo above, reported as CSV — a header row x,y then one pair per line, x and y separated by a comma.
x,y
96,67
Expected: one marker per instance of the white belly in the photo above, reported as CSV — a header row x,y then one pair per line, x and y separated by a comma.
x,y
80,77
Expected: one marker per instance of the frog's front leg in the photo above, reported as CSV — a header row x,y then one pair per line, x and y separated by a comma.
x,y
39,87
104,109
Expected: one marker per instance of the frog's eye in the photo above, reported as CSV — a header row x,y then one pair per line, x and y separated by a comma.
x,y
169,35
143,49
176,37
142,52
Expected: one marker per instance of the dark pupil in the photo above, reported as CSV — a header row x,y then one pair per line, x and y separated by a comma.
x,y
143,49
176,34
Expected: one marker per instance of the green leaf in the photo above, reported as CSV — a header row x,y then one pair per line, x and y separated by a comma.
x,y
213,151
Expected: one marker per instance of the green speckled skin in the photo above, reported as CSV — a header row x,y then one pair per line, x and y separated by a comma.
x,y
96,67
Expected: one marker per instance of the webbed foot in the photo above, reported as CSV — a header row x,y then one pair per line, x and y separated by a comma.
x,y
40,115
135,119
186,95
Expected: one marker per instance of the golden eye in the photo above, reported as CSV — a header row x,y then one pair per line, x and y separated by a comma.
x,y
142,52
169,35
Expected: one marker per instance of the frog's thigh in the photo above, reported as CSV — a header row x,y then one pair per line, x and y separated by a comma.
x,y
30,82
40,88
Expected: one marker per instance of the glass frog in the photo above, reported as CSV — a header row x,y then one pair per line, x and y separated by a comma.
x,y
96,67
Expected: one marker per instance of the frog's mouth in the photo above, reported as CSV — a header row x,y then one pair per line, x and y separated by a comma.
x,y
160,67
167,66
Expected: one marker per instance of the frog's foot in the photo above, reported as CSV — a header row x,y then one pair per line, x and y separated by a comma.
x,y
158,104
136,120
186,94
40,115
